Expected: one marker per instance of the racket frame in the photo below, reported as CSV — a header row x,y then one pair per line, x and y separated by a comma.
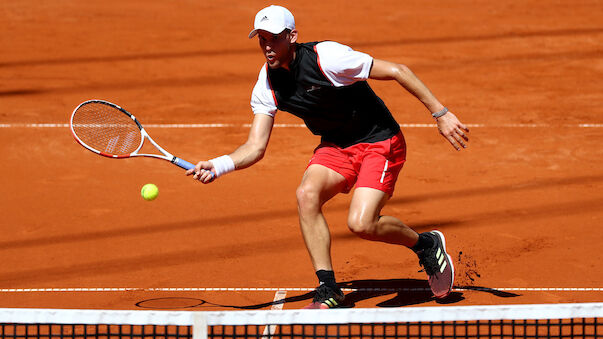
x,y
165,155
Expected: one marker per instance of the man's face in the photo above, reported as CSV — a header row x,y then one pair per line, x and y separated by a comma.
x,y
277,48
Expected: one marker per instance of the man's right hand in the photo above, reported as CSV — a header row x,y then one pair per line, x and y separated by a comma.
x,y
203,171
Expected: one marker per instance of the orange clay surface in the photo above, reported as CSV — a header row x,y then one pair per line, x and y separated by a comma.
x,y
522,207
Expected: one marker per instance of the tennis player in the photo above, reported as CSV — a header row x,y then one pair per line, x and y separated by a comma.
x,y
325,84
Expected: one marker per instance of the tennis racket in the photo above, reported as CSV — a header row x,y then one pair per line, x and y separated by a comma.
x,y
111,131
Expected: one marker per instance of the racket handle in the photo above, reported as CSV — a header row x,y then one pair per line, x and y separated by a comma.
x,y
187,165
182,163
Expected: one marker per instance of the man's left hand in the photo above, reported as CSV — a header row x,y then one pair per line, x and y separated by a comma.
x,y
453,130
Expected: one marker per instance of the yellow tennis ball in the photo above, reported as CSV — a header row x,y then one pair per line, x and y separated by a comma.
x,y
149,192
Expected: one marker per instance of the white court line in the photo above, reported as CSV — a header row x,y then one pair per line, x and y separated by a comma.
x,y
271,329
285,290
409,125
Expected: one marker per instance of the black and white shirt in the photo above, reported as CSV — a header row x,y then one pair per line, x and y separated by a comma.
x,y
326,87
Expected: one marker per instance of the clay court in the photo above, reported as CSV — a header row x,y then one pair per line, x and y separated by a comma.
x,y
522,207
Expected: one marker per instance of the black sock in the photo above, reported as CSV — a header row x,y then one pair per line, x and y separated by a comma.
x,y
328,278
423,243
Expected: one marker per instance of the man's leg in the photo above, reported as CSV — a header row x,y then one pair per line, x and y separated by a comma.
x,y
318,186
364,219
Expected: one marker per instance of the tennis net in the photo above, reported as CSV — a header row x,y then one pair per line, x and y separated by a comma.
x,y
502,321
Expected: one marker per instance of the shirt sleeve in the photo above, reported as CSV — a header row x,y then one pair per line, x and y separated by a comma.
x,y
262,96
341,64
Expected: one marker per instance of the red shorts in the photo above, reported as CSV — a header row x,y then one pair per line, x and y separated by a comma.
x,y
374,165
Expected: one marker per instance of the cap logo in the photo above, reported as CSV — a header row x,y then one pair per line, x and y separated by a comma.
x,y
264,18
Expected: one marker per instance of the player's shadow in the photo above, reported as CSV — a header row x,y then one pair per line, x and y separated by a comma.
x,y
407,292
403,292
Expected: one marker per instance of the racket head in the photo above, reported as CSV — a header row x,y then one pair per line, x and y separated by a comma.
x,y
106,129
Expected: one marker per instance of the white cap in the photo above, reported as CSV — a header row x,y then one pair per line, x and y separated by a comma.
x,y
273,19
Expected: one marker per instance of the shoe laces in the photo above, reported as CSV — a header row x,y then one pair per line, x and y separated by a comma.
x,y
322,293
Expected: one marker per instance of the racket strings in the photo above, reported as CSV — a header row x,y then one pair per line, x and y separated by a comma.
x,y
106,129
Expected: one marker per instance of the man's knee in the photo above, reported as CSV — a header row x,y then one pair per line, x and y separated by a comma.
x,y
362,226
308,198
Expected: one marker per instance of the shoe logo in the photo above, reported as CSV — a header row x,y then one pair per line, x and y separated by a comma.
x,y
264,18
330,302
441,262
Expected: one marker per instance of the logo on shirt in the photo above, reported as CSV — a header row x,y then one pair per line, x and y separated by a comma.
x,y
312,88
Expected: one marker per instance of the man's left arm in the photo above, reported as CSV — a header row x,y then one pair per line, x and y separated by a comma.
x,y
448,124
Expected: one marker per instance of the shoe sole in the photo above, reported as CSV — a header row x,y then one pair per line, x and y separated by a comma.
x,y
443,240
314,306
327,304
319,306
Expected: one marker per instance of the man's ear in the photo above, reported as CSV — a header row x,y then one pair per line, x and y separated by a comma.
x,y
293,36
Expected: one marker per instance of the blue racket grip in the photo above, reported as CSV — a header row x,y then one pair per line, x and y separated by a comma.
x,y
187,165
182,163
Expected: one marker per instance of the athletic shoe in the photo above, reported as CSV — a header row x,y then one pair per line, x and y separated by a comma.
x,y
438,265
325,298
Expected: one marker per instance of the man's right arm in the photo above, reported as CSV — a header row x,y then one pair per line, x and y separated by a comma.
x,y
254,148
245,155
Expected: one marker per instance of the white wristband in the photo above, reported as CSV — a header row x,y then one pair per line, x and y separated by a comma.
x,y
223,165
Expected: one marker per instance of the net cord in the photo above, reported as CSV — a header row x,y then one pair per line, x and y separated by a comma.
x,y
283,317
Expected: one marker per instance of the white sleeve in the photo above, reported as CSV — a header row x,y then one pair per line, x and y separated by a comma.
x,y
262,97
341,64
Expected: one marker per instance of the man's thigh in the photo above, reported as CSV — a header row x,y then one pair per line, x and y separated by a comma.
x,y
334,158
367,203
324,181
